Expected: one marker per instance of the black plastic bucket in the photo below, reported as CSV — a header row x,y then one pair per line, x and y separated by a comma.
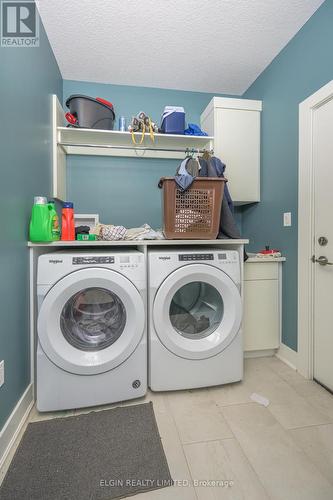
x,y
90,112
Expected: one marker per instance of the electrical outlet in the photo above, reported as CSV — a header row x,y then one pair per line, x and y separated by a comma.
x,y
287,219
2,372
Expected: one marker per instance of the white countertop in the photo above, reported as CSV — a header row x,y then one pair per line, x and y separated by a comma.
x,y
253,258
137,243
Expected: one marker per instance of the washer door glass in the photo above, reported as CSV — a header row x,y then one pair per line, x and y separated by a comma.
x,y
196,310
93,319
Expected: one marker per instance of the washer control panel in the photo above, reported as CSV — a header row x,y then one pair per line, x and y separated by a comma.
x,y
196,256
87,260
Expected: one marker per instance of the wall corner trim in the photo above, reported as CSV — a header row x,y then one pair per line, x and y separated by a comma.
x,y
15,422
287,355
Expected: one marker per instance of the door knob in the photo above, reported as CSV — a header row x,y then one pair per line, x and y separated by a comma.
x,y
323,261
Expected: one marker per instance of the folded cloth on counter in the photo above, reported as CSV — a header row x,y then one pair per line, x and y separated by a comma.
x,y
194,129
144,232
109,232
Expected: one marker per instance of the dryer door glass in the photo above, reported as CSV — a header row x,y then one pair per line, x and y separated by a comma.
x,y
93,319
196,310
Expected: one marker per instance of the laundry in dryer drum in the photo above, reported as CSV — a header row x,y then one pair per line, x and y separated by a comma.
x,y
186,322
196,309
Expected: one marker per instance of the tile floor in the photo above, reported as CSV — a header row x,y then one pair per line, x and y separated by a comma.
x,y
284,451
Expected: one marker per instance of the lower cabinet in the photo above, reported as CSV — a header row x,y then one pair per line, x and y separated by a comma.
x,y
262,307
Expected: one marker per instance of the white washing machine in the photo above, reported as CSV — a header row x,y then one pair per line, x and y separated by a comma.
x,y
92,342
195,313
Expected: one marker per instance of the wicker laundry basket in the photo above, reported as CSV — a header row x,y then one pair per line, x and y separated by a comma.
x,y
195,213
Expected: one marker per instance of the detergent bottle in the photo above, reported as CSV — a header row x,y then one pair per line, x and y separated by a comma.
x,y
55,229
67,222
40,228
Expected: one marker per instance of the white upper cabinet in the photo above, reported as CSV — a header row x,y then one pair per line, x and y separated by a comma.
x,y
235,125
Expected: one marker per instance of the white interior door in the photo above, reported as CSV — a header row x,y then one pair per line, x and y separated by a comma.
x,y
323,245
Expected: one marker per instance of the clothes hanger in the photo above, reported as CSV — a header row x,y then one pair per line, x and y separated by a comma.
x,y
206,155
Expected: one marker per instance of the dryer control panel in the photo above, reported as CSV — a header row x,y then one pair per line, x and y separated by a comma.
x,y
196,256
163,262
226,257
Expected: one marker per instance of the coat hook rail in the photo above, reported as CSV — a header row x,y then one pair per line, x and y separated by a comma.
x,y
138,148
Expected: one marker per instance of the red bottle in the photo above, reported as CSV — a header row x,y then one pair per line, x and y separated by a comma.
x,y
67,222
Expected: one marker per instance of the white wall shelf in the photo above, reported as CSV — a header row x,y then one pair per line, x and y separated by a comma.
x,y
76,141
110,143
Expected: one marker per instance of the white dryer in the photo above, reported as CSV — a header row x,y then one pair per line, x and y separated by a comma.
x,y
195,313
92,342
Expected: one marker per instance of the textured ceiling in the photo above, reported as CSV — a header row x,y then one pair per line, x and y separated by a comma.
x,y
217,46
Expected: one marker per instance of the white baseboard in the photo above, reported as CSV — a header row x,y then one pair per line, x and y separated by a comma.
x,y
15,423
287,355
259,354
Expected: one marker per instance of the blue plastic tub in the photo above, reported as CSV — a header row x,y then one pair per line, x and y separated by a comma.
x,y
173,123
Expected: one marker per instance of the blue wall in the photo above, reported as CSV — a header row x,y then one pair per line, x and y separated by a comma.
x,y
28,77
124,190
303,66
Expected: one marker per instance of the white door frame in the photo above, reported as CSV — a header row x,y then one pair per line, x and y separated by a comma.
x,y
306,227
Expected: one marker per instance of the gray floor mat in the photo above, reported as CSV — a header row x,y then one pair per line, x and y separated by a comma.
x,y
100,455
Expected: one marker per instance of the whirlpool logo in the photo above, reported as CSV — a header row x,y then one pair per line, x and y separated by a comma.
x,y
164,258
55,261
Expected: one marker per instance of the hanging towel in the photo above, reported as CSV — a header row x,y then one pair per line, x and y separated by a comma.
x,y
186,173
228,226
183,178
220,168
214,167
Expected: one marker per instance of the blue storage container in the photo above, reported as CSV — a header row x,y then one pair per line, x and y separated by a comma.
x,y
173,122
